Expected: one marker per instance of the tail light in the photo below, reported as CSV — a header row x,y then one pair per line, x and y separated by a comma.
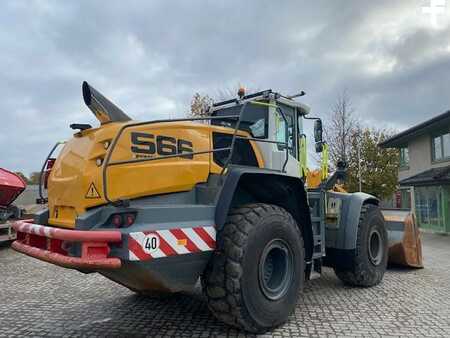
x,y
48,169
129,219
122,220
117,220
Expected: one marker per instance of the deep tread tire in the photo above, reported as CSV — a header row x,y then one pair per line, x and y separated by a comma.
x,y
361,271
230,280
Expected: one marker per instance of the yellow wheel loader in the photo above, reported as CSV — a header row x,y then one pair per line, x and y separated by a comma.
x,y
157,205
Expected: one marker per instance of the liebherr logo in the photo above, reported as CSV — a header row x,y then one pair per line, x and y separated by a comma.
x,y
147,145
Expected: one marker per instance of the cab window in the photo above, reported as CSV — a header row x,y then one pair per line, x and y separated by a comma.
x,y
280,131
254,119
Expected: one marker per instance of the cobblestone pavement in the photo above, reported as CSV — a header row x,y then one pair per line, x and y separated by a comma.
x,y
39,299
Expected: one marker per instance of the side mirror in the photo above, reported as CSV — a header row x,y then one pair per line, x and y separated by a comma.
x,y
318,131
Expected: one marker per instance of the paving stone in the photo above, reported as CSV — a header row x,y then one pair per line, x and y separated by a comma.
x,y
39,299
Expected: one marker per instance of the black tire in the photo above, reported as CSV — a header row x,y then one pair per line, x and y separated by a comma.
x,y
243,286
368,263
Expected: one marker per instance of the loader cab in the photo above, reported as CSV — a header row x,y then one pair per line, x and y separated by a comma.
x,y
274,121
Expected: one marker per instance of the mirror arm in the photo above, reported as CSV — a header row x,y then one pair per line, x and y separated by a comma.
x,y
311,118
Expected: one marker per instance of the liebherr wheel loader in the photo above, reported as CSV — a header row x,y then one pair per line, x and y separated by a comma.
x,y
157,205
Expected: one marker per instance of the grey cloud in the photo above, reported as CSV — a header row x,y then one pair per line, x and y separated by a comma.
x,y
149,57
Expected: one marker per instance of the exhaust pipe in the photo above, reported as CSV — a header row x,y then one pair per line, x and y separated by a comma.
x,y
104,110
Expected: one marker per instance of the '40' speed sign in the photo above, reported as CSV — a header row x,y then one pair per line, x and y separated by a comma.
x,y
150,243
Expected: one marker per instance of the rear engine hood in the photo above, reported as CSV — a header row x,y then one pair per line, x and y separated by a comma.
x,y
76,182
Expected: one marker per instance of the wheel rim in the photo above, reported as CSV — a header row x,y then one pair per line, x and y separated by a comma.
x,y
375,247
275,269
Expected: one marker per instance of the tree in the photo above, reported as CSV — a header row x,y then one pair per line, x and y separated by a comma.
x,y
378,167
339,129
358,146
200,105
34,177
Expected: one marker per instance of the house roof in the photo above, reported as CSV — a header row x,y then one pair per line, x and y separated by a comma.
x,y
401,139
432,176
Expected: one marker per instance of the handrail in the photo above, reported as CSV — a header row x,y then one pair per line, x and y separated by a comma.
x,y
137,160
107,163
286,136
42,199
233,140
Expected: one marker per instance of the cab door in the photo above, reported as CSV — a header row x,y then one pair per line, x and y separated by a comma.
x,y
277,132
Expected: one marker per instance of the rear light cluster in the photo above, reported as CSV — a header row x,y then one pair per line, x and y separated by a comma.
x,y
122,220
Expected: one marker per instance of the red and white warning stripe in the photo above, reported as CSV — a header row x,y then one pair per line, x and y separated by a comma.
x,y
35,229
25,226
163,243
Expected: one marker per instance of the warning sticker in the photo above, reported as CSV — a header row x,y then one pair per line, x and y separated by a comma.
x,y
92,192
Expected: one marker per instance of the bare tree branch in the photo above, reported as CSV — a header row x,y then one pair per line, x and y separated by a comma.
x,y
200,105
340,127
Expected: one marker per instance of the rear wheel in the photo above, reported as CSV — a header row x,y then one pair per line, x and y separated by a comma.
x,y
368,264
254,278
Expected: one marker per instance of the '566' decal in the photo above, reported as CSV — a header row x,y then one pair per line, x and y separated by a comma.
x,y
146,144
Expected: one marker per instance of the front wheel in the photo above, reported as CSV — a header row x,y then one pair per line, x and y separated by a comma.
x,y
369,261
255,276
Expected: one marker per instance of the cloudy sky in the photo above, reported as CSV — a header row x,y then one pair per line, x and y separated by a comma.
x,y
149,57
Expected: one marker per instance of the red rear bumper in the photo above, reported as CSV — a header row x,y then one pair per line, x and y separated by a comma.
x,y
48,244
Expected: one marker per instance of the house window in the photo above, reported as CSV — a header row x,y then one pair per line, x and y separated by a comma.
x,y
404,157
441,147
429,206
446,145
405,198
